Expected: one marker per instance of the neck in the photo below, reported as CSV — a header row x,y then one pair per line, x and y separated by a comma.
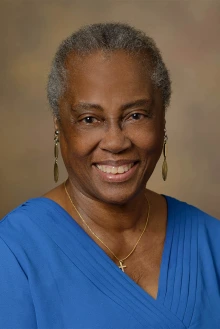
x,y
112,218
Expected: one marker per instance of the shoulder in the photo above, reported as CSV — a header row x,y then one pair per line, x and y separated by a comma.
x,y
178,206
20,224
178,210
26,232
24,211
205,227
204,220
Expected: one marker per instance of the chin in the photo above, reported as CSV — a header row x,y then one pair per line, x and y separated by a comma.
x,y
117,196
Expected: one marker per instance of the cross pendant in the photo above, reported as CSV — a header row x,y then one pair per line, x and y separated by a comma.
x,y
121,266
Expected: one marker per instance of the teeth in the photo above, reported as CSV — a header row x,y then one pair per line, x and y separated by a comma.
x,y
120,170
115,170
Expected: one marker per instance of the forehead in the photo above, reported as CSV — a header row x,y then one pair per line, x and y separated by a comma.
x,y
116,76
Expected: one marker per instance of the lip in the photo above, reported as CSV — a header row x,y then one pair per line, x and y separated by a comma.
x,y
115,163
116,178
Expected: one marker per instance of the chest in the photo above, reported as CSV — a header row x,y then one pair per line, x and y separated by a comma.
x,y
144,268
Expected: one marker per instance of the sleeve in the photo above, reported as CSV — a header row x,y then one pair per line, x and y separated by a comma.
x,y
16,305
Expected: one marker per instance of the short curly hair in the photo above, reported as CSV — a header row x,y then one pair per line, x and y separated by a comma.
x,y
107,37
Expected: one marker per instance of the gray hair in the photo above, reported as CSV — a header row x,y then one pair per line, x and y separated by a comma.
x,y
107,37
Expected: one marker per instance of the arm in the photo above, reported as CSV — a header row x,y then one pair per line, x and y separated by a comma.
x,y
16,305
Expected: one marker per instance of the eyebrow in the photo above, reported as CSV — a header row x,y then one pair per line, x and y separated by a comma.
x,y
139,102
87,106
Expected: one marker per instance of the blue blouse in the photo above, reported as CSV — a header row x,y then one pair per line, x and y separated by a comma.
x,y
54,276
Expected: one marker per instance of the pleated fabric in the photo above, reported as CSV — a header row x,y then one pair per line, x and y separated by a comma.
x,y
54,276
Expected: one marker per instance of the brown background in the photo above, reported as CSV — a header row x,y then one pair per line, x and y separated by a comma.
x,y
187,32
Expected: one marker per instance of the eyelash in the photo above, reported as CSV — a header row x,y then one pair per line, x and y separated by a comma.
x,y
88,117
136,116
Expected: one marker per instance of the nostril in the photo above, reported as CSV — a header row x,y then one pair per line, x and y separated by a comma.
x,y
115,142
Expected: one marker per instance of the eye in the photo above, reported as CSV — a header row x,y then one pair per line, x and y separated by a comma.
x,y
136,116
89,120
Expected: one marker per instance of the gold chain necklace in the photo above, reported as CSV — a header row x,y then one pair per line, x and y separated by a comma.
x,y
121,266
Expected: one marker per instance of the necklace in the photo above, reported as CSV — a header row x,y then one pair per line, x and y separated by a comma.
x,y
120,261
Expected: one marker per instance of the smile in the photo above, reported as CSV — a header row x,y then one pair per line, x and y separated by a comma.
x,y
115,169
116,172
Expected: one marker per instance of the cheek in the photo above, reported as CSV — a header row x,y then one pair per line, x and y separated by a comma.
x,y
149,140
78,143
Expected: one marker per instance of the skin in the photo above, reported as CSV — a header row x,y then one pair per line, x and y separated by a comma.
x,y
111,113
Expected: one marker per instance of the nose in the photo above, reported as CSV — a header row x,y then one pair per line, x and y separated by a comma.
x,y
114,140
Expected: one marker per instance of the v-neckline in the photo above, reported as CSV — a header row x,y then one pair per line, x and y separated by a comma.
x,y
162,281
96,265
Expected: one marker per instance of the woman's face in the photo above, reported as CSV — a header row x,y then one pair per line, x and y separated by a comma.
x,y
111,125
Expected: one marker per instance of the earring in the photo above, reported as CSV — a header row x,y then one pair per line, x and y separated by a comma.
x,y
56,169
165,166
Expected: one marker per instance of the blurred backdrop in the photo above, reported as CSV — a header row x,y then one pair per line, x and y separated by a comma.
x,y
187,32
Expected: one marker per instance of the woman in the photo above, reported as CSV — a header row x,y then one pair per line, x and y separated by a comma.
x,y
101,250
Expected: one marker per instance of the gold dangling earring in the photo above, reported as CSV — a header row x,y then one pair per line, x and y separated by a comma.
x,y
56,169
165,166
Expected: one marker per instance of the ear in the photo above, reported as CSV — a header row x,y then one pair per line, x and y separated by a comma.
x,y
56,123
